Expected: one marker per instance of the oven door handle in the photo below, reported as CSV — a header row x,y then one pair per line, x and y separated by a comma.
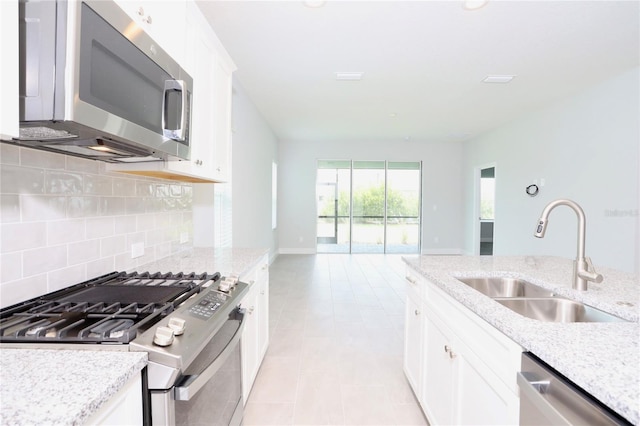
x,y
194,383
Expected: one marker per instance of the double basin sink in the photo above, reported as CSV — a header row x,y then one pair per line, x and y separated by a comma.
x,y
535,302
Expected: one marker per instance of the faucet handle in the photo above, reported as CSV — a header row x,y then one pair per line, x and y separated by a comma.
x,y
590,274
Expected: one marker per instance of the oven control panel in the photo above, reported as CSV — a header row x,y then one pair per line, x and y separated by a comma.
x,y
207,305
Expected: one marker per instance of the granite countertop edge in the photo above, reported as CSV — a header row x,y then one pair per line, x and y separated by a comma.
x,y
601,358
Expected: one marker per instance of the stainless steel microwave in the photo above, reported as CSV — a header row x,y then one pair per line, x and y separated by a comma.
x,y
94,84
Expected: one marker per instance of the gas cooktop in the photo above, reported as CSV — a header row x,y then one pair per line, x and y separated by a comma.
x,y
113,308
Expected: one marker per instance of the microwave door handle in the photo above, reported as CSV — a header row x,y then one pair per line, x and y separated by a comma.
x,y
180,133
197,382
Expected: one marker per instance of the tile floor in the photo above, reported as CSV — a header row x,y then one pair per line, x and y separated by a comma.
x,y
335,355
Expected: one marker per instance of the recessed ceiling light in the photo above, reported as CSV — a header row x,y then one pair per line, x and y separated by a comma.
x,y
314,3
349,76
498,79
474,4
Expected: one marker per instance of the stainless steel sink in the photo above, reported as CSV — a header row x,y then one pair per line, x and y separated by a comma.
x,y
557,310
505,287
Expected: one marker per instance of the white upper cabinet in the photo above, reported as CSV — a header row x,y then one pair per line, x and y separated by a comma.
x,y
164,21
9,70
211,68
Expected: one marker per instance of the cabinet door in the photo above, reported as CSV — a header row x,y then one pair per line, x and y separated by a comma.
x,y
164,21
481,397
262,314
439,367
222,88
413,340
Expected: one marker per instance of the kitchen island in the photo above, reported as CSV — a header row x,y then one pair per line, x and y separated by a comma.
x,y
601,358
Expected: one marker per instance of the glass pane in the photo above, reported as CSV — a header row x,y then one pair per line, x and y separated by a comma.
x,y
333,196
368,207
403,208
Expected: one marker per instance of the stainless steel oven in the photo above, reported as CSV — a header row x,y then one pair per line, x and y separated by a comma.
x,y
208,389
190,325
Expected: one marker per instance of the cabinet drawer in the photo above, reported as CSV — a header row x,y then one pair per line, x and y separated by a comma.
x,y
416,284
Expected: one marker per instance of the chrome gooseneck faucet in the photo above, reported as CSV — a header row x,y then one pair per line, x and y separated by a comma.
x,y
583,270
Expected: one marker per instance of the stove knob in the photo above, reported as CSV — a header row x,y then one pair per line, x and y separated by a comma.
x,y
163,336
177,325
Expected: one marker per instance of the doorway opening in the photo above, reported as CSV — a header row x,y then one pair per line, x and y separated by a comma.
x,y
368,206
487,209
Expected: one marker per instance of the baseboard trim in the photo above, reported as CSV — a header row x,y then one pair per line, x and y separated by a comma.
x,y
297,251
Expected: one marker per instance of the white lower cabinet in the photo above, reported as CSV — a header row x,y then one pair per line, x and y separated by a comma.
x,y
124,408
467,367
255,337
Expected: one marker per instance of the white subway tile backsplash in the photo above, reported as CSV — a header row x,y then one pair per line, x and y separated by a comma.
x,y
124,262
66,231
98,185
20,290
112,206
43,207
144,189
113,245
11,266
125,224
61,278
78,164
100,227
21,180
62,182
123,187
134,205
100,266
9,154
9,208
41,159
83,206
23,236
83,251
43,260
65,219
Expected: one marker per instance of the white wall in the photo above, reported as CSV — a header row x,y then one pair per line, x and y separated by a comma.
x,y
255,148
441,180
586,149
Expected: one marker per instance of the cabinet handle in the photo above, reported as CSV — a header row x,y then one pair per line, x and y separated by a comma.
x,y
140,11
251,310
265,266
417,312
148,20
410,279
218,169
448,350
262,292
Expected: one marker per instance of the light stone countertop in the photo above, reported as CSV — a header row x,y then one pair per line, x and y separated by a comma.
x,y
55,387
227,261
601,358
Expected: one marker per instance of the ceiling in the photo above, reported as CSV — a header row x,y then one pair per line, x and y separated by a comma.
x,y
423,62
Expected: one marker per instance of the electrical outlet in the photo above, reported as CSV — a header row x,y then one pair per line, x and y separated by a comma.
x,y
184,237
137,250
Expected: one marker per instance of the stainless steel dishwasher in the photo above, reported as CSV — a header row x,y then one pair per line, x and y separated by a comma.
x,y
547,398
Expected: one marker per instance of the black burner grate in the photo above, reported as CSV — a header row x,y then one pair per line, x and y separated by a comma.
x,y
112,308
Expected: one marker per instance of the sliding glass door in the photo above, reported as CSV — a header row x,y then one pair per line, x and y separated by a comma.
x,y
368,206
